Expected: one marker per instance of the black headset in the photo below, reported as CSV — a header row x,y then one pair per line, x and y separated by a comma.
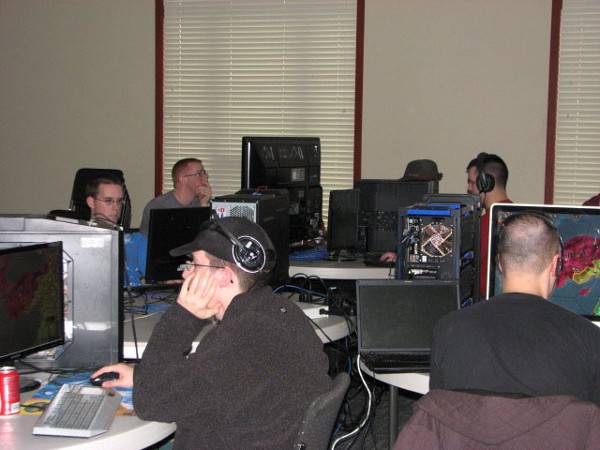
x,y
484,182
248,254
550,224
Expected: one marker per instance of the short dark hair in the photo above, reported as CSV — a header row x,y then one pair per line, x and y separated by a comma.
x,y
247,281
93,185
528,242
180,165
493,165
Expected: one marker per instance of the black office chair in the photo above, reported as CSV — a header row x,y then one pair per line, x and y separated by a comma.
x,y
78,208
317,426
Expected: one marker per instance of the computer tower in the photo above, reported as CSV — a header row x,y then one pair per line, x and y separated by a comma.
x,y
270,210
379,203
440,241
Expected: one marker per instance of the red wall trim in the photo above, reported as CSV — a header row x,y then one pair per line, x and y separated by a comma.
x,y
358,88
159,104
552,101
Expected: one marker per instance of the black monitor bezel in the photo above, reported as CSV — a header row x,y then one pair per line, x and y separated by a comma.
x,y
60,340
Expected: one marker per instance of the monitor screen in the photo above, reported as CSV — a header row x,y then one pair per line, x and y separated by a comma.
x,y
342,221
578,287
31,299
170,228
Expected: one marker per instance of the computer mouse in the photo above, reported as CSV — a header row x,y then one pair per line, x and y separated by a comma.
x,y
106,376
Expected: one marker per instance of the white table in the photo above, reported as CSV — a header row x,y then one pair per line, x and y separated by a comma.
x,y
127,432
328,328
340,270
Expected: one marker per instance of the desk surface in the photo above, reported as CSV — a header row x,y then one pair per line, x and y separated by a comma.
x,y
130,432
339,270
328,328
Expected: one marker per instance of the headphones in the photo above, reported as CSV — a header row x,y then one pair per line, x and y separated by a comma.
x,y
248,254
548,222
484,182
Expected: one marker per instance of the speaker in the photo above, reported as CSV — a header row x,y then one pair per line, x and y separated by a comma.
x,y
484,182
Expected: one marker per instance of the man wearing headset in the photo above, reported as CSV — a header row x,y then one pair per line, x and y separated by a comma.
x,y
252,377
487,176
518,342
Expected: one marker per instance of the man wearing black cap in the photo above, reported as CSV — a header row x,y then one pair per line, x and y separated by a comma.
x,y
252,377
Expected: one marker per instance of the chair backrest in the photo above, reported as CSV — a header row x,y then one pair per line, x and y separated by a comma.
x,y
78,204
317,426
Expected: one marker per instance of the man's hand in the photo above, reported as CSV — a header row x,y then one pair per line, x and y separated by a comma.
x,y
204,194
197,293
125,375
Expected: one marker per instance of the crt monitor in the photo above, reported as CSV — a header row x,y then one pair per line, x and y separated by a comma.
x,y
342,222
31,299
170,228
578,285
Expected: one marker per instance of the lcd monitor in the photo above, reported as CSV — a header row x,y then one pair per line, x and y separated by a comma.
x,y
31,299
578,285
292,163
168,229
93,278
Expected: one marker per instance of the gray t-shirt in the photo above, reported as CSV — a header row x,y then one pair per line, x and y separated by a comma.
x,y
164,201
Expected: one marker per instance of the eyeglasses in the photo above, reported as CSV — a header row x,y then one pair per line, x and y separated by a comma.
x,y
111,201
200,174
190,265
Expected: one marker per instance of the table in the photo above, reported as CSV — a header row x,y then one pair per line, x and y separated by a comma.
x,y
130,432
414,382
340,270
328,328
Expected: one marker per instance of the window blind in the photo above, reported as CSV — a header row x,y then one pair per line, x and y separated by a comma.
x,y
577,164
258,68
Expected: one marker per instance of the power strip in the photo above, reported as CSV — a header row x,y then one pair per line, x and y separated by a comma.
x,y
312,310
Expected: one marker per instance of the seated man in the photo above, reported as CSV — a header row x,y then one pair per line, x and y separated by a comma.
x,y
518,342
252,377
105,196
191,189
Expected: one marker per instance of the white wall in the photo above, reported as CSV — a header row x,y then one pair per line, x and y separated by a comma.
x,y
443,80
76,90
446,80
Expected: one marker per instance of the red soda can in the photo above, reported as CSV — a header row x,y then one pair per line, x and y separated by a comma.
x,y
10,397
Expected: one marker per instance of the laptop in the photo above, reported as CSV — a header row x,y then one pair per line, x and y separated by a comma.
x,y
167,229
395,321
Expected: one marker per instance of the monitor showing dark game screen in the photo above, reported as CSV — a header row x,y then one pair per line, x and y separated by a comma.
x,y
578,285
31,299
170,228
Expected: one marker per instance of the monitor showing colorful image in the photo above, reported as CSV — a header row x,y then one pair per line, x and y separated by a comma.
x,y
578,285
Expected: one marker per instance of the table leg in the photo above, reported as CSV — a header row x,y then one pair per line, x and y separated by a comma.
x,y
393,431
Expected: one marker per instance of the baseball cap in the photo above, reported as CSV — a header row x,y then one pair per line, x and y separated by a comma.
x,y
213,239
421,170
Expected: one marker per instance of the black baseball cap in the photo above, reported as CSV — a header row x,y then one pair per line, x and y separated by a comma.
x,y
213,239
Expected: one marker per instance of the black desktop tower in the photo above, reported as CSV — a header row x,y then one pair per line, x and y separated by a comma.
x,y
440,241
270,209
379,203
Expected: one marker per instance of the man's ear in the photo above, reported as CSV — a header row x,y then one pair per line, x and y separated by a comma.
x,y
225,277
90,202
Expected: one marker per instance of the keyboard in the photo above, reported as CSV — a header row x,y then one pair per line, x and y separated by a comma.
x,y
79,411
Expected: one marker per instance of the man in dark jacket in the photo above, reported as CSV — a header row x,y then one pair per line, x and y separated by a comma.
x,y
252,377
518,342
